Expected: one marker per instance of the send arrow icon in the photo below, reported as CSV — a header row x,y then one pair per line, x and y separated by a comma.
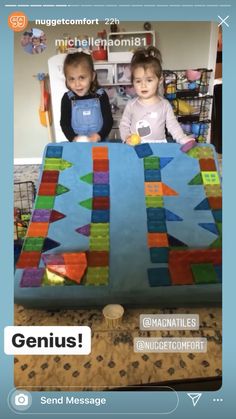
x,y
195,397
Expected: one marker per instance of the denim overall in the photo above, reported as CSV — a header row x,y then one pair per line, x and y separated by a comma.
x,y
86,115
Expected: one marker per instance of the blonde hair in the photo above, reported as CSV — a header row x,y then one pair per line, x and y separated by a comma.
x,y
147,58
82,58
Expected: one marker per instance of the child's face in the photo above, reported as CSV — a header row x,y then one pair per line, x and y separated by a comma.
x,y
79,79
145,83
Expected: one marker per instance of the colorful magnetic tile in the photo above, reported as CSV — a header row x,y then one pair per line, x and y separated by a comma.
x,y
101,203
159,254
217,214
28,260
156,214
41,216
174,242
84,230
99,229
50,176
159,277
213,190
95,258
164,161
207,165
44,202
100,153
210,178
154,201
101,178
99,243
151,163
204,152
100,216
97,276
210,227
216,244
180,274
49,244
203,205
51,259
75,272
153,188
156,226
215,202
157,240
167,191
52,279
196,180
101,165
60,189
77,258
204,273
87,203
33,244
54,151
218,270
171,216
143,150
56,216
47,189
32,277
88,178
52,163
101,190
37,230
151,175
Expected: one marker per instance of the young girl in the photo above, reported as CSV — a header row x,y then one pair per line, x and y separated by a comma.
x,y
85,109
149,113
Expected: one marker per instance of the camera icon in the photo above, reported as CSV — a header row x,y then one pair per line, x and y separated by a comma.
x,y
21,399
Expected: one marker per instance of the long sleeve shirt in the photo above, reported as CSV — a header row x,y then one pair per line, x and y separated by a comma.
x,y
65,121
149,122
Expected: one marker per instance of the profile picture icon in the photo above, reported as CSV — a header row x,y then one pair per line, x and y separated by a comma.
x,y
34,41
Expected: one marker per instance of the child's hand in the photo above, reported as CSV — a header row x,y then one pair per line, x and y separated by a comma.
x,y
94,138
81,139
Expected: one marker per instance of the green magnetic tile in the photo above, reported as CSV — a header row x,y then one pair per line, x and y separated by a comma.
x,y
87,178
204,273
97,279
87,203
99,229
99,243
52,164
205,152
219,227
52,283
197,180
60,189
98,272
65,164
44,202
194,152
151,162
216,244
33,244
154,201
210,178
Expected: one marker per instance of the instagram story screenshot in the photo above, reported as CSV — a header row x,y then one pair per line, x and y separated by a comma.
x,y
117,175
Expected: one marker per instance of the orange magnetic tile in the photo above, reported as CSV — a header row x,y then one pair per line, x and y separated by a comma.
x,y
158,240
57,269
207,165
215,202
47,189
28,260
179,257
153,188
166,190
75,258
38,230
75,272
101,165
100,153
180,274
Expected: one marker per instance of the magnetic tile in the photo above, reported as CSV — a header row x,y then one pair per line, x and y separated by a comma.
x,y
156,214
32,277
49,244
37,229
99,243
217,214
143,150
99,229
153,188
154,201
100,216
207,165
159,254
159,277
213,190
60,189
215,202
101,165
44,202
56,216
41,215
84,230
151,163
101,190
87,203
88,178
210,178
157,240
47,189
151,175
53,259
101,178
28,260
100,153
101,203
50,176
54,151
218,270
156,226
33,244
204,273
95,258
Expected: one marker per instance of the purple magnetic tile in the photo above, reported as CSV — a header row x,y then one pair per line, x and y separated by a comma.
x,y
56,259
32,277
84,230
41,215
101,178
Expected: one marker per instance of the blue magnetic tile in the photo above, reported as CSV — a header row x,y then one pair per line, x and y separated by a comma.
x,y
158,277
55,152
156,226
204,205
101,190
100,216
49,244
159,254
156,214
217,214
164,161
152,175
210,227
171,216
143,150
218,269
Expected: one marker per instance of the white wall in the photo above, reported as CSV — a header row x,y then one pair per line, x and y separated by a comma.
x,y
182,44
